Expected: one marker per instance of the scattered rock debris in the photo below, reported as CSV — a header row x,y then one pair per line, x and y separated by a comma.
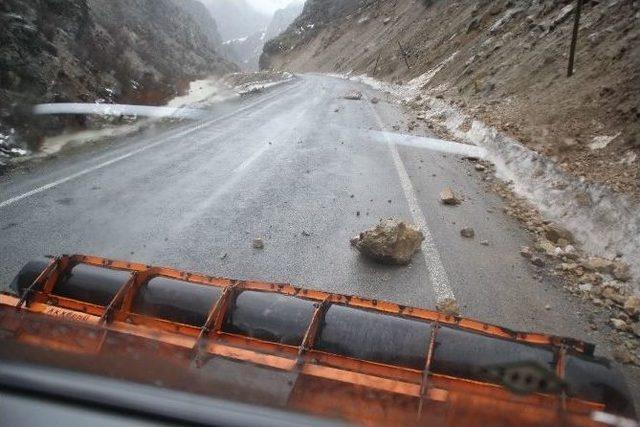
x,y
224,256
305,233
448,307
448,197
258,243
354,96
605,282
390,242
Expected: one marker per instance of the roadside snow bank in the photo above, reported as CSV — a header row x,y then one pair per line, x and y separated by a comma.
x,y
9,150
191,105
605,223
202,93
248,83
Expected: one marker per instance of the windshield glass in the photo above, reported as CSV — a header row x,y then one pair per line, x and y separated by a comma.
x,y
349,202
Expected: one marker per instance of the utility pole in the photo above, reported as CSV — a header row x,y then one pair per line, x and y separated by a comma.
x,y
404,55
574,40
375,67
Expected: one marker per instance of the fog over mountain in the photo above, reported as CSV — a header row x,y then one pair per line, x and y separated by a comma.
x,y
236,18
245,29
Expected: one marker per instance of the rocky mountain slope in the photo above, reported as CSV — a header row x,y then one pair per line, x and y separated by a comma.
x,y
245,51
503,62
282,18
131,51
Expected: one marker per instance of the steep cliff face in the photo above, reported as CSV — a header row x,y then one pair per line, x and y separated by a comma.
x,y
156,39
245,51
137,51
282,18
205,20
502,62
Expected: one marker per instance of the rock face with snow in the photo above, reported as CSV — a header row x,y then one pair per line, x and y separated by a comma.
x,y
390,242
242,28
246,50
236,18
244,43
282,18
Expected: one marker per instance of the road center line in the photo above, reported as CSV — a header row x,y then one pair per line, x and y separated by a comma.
x,y
438,274
138,151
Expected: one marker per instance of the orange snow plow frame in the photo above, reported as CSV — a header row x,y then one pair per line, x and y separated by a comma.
x,y
211,341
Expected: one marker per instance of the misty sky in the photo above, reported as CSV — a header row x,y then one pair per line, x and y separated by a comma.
x,y
269,6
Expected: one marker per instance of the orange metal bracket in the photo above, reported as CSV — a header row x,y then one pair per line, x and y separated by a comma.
x,y
211,340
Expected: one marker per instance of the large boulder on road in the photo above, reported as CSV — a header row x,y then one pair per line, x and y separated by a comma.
x,y
390,242
448,197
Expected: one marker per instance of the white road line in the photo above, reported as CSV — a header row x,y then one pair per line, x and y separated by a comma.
x,y
438,274
251,159
133,153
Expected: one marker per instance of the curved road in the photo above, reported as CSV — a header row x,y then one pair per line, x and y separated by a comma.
x,y
286,167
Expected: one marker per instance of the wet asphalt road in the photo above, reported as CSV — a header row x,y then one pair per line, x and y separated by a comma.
x,y
278,166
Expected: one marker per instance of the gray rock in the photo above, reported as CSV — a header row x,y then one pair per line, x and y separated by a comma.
x,y
468,233
619,325
258,243
632,306
353,96
526,252
554,232
621,271
601,265
537,261
585,287
623,355
448,197
390,242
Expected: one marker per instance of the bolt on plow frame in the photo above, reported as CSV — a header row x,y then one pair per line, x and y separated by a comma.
x,y
276,345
